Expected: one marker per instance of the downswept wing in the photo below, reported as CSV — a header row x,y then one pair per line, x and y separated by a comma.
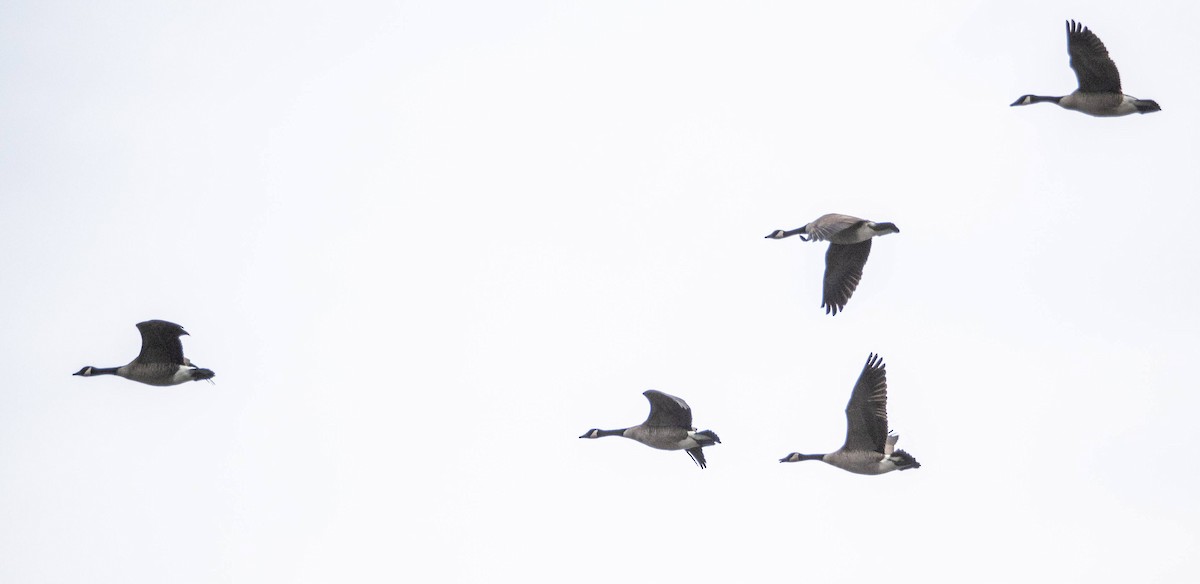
x,y
667,411
843,270
827,226
160,342
866,413
1094,69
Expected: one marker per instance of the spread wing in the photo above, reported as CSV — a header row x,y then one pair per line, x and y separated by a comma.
x,y
843,269
866,414
667,410
1094,69
160,342
827,226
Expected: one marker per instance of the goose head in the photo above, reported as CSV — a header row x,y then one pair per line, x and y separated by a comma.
x,y
593,433
797,457
86,371
780,234
1029,99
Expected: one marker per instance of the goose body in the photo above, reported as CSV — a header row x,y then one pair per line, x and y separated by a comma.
x,y
869,448
849,246
1099,93
668,427
161,361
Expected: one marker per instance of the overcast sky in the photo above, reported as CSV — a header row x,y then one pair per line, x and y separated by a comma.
x,y
426,245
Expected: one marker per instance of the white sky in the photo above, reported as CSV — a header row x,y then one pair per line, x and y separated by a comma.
x,y
425,246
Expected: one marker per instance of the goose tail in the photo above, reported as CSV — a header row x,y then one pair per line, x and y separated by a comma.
x,y
904,460
706,437
199,374
1145,106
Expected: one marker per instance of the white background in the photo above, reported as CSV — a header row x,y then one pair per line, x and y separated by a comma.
x,y
426,245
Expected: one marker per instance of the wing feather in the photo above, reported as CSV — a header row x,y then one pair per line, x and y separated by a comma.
x,y
826,226
160,342
843,270
667,410
1094,69
866,413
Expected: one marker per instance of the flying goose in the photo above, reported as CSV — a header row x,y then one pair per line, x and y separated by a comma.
x,y
849,245
161,361
668,427
1099,92
869,446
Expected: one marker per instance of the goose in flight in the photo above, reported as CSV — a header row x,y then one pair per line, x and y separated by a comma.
x,y
1099,92
161,361
668,427
849,245
869,447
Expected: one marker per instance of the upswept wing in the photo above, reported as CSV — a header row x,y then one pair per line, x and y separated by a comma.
x,y
1094,69
667,410
160,342
843,270
866,413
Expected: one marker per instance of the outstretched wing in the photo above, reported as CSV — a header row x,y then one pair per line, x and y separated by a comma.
x,y
1094,69
866,413
667,410
843,269
160,342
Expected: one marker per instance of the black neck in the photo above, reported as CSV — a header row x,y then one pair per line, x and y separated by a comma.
x,y
812,456
603,433
798,231
104,370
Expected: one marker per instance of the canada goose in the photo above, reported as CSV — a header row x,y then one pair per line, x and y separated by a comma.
x,y
869,446
1099,92
849,245
668,427
161,361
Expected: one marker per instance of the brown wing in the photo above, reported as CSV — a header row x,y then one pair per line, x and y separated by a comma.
x,y
843,269
866,413
1094,69
160,342
831,224
667,410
